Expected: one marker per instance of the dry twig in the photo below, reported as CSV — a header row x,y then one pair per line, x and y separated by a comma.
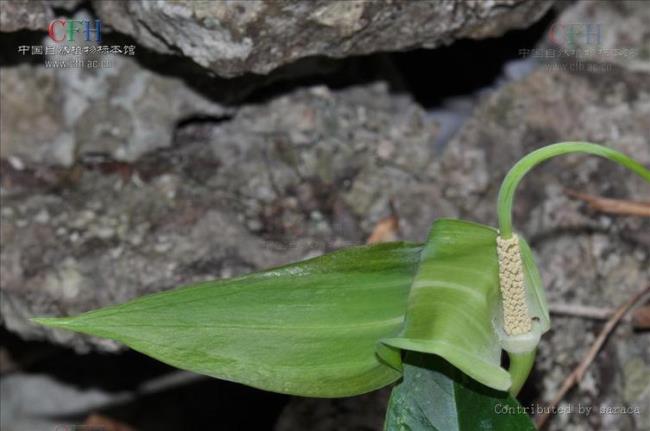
x,y
577,310
639,317
613,206
577,374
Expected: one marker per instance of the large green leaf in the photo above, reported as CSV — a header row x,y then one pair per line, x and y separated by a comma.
x,y
310,328
313,328
434,396
454,307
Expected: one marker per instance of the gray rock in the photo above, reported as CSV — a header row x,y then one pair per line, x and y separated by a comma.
x,y
31,117
31,14
236,37
67,5
40,402
24,14
121,109
33,402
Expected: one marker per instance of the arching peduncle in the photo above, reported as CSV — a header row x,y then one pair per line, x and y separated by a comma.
x,y
521,168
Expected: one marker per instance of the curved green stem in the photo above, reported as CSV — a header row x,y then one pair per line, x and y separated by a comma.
x,y
522,363
520,366
515,175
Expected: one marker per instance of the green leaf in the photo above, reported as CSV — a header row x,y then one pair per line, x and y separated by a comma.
x,y
314,328
454,307
309,328
434,396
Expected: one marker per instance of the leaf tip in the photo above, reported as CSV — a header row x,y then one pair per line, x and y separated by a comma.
x,y
52,322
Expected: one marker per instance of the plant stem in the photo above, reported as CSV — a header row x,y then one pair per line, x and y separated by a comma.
x,y
522,363
521,168
520,366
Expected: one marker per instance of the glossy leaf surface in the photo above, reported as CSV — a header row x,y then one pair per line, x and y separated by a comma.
x,y
309,328
434,396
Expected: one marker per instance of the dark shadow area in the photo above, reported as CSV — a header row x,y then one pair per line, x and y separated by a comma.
x,y
60,11
193,402
532,390
107,371
10,44
465,66
207,404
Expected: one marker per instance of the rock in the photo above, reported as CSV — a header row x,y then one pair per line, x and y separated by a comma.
x,y
594,32
24,14
121,110
233,38
297,176
37,402
67,5
31,14
31,117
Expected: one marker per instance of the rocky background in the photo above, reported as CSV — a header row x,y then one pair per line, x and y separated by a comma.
x,y
247,134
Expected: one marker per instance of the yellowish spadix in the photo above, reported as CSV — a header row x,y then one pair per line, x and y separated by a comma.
x,y
516,317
